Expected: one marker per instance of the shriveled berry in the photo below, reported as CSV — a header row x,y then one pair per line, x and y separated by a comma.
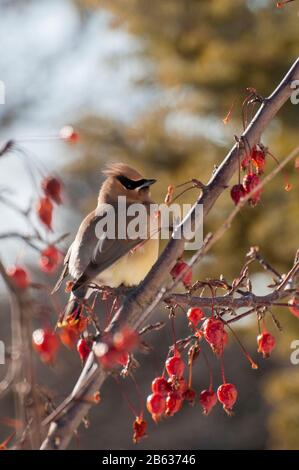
x,y
156,405
139,429
208,400
266,343
195,315
227,395
258,157
190,396
175,366
19,276
237,192
52,188
215,335
250,182
44,211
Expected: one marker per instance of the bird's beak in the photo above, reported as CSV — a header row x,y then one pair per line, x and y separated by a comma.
x,y
147,183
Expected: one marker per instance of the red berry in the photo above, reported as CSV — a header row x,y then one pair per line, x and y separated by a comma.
x,y
177,270
266,342
258,157
227,395
294,307
139,429
195,315
237,192
215,335
208,400
155,404
175,366
46,343
190,396
44,211
83,349
174,403
50,259
69,134
125,340
250,181
123,358
52,188
19,276
160,385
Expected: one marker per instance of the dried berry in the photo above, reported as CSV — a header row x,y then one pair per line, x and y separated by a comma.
x,y
208,400
44,211
266,342
237,192
52,188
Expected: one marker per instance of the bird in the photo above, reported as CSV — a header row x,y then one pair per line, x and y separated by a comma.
x,y
94,258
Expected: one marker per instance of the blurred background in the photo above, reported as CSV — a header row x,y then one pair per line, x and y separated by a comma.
x,y
149,83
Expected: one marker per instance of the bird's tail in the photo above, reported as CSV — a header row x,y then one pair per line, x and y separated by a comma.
x,y
73,311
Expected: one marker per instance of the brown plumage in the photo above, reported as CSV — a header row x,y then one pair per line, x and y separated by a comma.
x,y
93,257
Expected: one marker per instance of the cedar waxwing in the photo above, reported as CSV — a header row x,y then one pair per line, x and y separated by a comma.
x,y
94,258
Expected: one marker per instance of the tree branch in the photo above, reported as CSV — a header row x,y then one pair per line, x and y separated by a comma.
x,y
139,305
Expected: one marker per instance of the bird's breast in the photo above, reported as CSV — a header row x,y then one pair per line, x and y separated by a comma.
x,y
132,268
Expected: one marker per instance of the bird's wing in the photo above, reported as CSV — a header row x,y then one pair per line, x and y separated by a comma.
x,y
64,272
98,251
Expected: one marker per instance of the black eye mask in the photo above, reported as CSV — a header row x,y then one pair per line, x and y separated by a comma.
x,y
131,184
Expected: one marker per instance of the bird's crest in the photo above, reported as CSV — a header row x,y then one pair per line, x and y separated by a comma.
x,y
121,169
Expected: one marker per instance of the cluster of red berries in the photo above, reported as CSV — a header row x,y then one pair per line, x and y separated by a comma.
x,y
52,187
253,164
168,395
46,344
